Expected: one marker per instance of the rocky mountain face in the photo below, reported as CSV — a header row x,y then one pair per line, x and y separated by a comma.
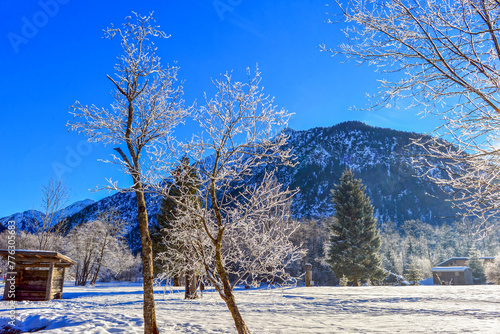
x,y
377,156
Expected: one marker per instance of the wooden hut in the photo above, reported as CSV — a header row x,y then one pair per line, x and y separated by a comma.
x,y
452,275
36,275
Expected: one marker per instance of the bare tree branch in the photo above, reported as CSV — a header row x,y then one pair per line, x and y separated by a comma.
x,y
147,108
237,233
443,58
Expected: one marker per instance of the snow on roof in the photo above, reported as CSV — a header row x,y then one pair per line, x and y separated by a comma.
x,y
443,269
25,256
31,250
465,258
451,259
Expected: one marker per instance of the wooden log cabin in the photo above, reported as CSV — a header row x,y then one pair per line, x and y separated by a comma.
x,y
37,275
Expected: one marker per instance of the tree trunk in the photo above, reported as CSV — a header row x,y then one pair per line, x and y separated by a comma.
x,y
94,279
241,327
227,293
83,271
355,282
77,273
177,281
150,326
191,285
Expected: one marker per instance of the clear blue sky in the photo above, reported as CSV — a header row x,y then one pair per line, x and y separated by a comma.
x,y
53,55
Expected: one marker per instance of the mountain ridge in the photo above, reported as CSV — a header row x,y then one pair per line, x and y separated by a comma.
x,y
378,156
25,220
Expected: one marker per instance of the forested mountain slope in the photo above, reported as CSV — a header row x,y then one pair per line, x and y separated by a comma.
x,y
378,156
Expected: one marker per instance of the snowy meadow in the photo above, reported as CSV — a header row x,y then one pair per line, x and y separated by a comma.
x,y
117,308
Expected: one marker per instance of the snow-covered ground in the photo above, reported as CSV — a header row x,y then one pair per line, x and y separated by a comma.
x,y
117,308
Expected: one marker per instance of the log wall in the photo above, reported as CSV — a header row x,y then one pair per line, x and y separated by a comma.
x,y
32,284
57,283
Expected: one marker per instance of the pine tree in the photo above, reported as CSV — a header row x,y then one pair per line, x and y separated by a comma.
x,y
413,273
182,192
476,266
164,221
187,180
391,261
355,242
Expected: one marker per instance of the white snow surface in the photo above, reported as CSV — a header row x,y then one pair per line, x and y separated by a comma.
x,y
117,308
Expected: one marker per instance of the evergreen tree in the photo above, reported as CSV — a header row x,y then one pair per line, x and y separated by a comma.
x,y
182,191
164,221
476,266
409,253
355,242
391,260
413,273
187,180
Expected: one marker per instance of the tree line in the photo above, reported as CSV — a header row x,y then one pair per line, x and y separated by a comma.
x,y
98,248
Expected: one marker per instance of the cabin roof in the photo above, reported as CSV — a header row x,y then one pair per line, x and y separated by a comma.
x,y
452,259
464,258
36,258
445,269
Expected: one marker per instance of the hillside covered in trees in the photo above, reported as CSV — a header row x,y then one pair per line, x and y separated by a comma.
x,y
379,157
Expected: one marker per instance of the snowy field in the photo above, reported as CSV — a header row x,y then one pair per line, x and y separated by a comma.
x,y
117,308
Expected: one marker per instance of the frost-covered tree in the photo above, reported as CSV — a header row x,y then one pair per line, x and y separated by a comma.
x,y
176,254
98,246
476,265
188,184
354,244
239,232
27,240
430,244
47,229
441,57
312,236
164,220
110,228
119,263
147,107
493,271
82,245
392,257
413,273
